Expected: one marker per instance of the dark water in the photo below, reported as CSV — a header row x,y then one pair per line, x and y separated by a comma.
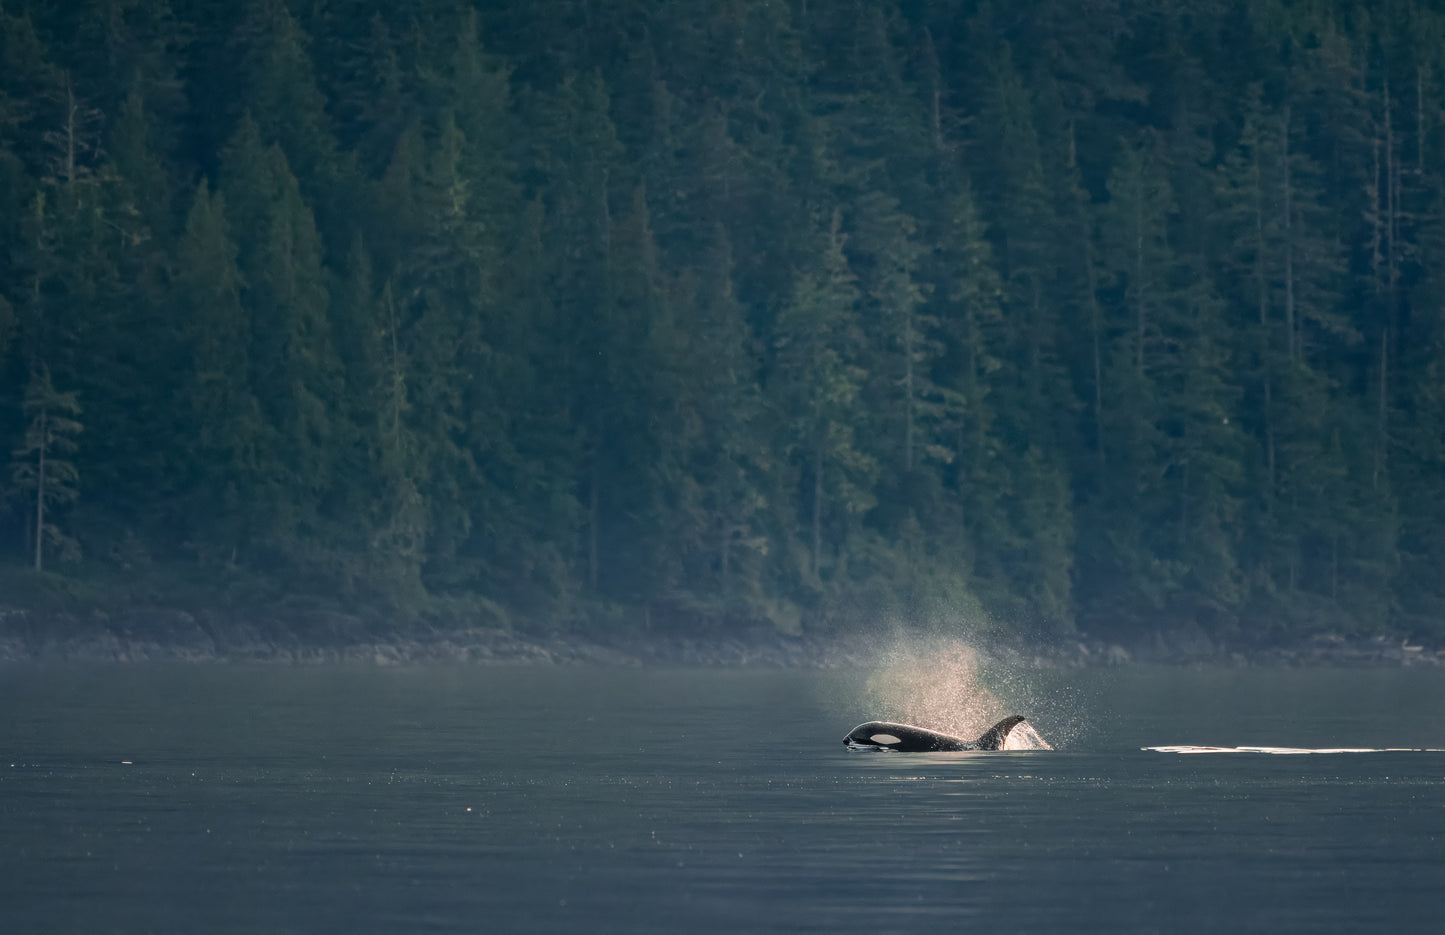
x,y
576,800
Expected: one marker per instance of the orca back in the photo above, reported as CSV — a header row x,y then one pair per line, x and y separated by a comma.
x,y
905,738
996,736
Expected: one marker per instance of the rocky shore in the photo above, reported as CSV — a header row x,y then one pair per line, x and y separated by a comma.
x,y
172,636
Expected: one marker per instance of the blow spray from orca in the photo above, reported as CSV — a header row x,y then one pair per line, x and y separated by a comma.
x,y
939,684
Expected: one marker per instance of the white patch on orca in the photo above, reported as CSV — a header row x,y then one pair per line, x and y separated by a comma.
x,y
884,739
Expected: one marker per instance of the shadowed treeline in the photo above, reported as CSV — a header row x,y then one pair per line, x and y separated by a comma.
x,y
1110,314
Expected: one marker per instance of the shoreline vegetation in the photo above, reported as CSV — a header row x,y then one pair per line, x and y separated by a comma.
x,y
155,635
670,323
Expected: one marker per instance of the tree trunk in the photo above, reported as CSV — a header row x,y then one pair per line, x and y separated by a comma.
x,y
592,513
70,131
1382,424
1184,502
908,390
1393,253
935,117
1419,119
398,380
1289,303
817,504
1261,277
40,495
1036,353
1139,288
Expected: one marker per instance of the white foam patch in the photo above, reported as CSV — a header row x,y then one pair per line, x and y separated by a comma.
x,y
1290,750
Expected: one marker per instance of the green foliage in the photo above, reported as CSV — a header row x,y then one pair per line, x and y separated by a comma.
x,y
43,467
1033,314
218,421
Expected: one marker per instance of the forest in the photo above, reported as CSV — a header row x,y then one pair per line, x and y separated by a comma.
x,y
1034,317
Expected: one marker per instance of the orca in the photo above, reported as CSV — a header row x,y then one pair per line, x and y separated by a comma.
x,y
905,738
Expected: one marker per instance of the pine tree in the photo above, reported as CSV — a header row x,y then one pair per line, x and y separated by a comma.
x,y
372,95
380,491
293,371
29,85
576,150
119,48
89,307
638,456
219,424
1117,557
270,53
41,466
7,326
430,296
1420,445
722,416
969,300
1020,204
816,379
884,243
282,95
147,180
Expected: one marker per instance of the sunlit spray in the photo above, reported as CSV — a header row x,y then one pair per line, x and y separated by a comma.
x,y
940,684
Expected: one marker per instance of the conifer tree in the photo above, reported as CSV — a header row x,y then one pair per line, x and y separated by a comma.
x,y
293,371
639,423
146,178
380,492
722,419
1119,563
524,311
885,242
576,150
218,419
270,52
816,381
42,466
430,303
971,316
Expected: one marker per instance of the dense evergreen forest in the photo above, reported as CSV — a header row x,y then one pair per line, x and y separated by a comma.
x,y
1039,315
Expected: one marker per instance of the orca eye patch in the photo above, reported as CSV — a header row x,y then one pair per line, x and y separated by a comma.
x,y
883,739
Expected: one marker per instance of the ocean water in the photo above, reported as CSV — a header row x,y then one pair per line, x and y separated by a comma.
x,y
491,799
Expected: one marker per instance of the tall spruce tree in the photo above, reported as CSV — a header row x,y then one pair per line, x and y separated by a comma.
x,y
815,384
218,420
293,371
42,466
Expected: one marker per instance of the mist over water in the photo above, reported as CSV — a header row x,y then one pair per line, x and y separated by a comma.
x,y
947,685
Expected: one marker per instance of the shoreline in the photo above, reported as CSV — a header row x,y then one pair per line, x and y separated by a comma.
x,y
171,636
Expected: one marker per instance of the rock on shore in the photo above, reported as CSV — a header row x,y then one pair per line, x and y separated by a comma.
x,y
174,636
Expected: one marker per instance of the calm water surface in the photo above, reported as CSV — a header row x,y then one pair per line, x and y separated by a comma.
x,y
222,799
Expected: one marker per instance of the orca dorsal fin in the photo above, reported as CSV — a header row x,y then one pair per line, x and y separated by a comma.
x,y
994,737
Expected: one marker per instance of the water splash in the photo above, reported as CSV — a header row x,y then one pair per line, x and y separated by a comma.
x,y
1289,750
943,685
1024,737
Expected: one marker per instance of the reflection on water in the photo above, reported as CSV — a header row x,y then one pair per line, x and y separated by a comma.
x,y
567,800
1291,750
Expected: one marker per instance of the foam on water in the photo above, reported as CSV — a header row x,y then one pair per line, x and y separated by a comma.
x,y
1288,750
